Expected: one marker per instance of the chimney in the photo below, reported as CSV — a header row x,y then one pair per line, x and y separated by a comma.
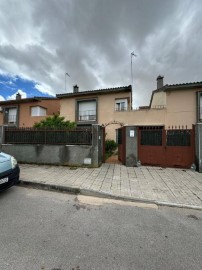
x,y
159,81
18,96
75,88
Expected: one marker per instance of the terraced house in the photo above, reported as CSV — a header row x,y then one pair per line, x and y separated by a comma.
x,y
169,130
24,112
103,107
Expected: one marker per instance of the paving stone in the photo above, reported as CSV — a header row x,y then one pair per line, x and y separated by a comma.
x,y
152,183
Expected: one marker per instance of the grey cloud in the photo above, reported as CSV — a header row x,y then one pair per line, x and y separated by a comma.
x,y
92,41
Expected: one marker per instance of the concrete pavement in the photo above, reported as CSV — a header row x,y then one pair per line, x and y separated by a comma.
x,y
172,187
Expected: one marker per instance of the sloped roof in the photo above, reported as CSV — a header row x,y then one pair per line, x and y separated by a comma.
x,y
25,100
179,86
98,91
173,87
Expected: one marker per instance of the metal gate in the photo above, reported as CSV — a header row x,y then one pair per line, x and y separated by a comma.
x,y
121,144
166,148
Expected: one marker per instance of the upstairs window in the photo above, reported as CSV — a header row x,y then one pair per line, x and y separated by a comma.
x,y
87,110
121,104
10,115
38,111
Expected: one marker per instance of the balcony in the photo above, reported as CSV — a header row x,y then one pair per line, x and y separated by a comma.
x,y
88,115
122,108
10,119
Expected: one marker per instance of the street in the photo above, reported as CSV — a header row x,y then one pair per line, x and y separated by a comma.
x,y
43,230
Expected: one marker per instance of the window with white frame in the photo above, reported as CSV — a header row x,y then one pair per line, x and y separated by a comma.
x,y
121,104
11,115
38,111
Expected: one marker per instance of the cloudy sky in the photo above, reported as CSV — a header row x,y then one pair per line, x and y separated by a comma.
x,y
92,41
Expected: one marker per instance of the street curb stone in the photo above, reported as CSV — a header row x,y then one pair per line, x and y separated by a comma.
x,y
93,193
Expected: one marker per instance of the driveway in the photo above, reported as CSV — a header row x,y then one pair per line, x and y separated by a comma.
x,y
151,184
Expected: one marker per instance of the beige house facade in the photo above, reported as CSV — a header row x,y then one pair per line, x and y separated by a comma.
x,y
106,107
182,103
178,105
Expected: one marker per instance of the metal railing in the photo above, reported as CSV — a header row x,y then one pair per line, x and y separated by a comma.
x,y
156,107
117,108
171,137
76,136
10,119
88,115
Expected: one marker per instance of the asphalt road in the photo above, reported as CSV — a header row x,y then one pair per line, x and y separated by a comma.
x,y
55,231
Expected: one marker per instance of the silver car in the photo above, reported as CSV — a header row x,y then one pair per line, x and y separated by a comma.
x,y
9,171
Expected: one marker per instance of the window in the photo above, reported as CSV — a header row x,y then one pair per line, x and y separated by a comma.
x,y
121,104
10,116
38,111
86,110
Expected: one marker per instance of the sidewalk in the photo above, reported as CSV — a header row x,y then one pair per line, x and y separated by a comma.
x,y
172,187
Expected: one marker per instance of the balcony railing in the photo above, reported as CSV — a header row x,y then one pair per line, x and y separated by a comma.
x,y
10,119
88,115
121,108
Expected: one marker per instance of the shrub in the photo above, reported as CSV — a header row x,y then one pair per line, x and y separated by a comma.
x,y
110,146
55,122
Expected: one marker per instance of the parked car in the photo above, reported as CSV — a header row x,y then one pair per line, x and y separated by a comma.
x,y
9,171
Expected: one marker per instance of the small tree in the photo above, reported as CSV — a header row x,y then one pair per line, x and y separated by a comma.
x,y
55,122
110,147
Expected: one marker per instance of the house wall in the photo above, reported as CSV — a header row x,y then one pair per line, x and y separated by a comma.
x,y
106,109
106,106
25,118
159,99
181,108
149,117
67,108
107,114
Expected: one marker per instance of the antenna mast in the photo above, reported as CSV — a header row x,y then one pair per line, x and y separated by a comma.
x,y
132,54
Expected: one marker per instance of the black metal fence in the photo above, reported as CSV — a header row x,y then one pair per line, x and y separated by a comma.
x,y
178,137
171,137
151,135
77,136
